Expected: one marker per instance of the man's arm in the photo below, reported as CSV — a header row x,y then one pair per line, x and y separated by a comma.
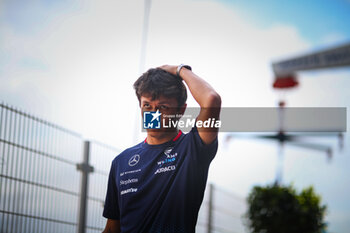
x,y
112,226
205,95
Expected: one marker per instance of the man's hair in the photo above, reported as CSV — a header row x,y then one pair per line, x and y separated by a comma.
x,y
157,82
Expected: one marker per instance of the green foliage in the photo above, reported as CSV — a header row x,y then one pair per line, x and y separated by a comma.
x,y
278,209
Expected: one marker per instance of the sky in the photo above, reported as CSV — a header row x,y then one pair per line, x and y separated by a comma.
x,y
74,63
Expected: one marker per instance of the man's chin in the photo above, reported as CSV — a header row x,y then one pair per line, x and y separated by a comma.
x,y
154,132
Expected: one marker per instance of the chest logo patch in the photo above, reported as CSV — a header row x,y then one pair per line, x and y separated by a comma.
x,y
168,150
168,154
134,160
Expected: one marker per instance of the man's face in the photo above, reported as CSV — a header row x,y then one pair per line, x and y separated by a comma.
x,y
167,106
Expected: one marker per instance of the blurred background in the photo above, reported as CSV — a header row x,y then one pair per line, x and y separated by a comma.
x,y
69,66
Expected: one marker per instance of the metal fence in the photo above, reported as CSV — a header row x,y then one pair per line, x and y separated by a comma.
x,y
39,187
51,180
221,212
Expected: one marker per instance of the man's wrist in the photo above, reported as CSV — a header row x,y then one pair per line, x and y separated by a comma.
x,y
180,67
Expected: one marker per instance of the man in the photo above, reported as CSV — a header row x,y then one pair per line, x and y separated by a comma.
x,y
158,185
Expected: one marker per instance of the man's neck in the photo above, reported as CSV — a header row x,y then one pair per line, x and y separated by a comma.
x,y
160,138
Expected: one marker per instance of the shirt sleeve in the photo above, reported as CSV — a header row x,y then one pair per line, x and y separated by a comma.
x,y
202,152
111,207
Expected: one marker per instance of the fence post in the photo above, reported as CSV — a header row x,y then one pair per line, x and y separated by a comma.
x,y
210,208
85,169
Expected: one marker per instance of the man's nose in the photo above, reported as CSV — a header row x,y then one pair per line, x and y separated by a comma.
x,y
154,108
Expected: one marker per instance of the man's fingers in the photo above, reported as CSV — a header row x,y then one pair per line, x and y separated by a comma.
x,y
169,68
164,67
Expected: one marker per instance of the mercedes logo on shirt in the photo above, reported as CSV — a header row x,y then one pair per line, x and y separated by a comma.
x,y
134,160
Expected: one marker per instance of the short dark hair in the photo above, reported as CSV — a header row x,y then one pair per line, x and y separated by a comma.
x,y
157,82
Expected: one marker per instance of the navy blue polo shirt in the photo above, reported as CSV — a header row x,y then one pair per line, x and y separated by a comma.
x,y
159,188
